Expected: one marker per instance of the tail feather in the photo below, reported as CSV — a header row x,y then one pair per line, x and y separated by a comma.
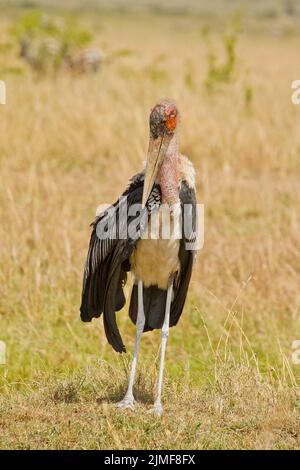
x,y
154,306
109,313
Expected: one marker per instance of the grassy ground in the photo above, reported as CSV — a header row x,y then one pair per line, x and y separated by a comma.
x,y
68,144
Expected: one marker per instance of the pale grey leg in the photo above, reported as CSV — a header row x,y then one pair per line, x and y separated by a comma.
x,y
158,409
128,400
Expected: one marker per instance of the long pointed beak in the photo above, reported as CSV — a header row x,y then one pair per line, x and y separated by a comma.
x,y
156,152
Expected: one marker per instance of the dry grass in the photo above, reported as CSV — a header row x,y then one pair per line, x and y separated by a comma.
x,y
68,145
238,410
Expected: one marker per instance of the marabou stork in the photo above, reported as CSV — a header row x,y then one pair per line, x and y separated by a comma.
x,y
161,266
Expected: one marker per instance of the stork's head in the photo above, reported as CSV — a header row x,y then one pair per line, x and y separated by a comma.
x,y
164,119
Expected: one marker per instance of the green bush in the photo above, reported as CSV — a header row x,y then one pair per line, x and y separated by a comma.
x,y
222,72
48,41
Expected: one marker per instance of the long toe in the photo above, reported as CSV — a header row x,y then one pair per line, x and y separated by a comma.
x,y
126,403
157,410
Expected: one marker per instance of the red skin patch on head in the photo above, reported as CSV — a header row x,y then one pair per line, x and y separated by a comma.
x,y
171,114
171,123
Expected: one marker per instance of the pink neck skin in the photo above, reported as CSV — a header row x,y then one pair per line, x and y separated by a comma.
x,y
169,174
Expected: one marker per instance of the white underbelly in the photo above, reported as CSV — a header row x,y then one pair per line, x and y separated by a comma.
x,y
155,259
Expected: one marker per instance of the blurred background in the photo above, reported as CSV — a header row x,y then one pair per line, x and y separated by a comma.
x,y
81,78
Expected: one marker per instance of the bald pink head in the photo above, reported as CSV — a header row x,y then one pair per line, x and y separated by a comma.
x,y
164,118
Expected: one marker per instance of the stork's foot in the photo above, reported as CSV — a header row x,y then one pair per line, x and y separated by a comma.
x,y
157,409
126,403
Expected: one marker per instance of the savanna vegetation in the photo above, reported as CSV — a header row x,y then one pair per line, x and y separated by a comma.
x,y
69,143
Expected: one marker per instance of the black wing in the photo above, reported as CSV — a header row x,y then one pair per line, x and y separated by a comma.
x,y
108,262
187,250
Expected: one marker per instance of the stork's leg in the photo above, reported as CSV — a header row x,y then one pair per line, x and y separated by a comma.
x,y
158,409
128,400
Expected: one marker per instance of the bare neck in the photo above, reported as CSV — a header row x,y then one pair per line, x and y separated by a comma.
x,y
169,174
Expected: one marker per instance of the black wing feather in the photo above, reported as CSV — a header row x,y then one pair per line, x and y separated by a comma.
x,y
97,266
106,266
186,252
